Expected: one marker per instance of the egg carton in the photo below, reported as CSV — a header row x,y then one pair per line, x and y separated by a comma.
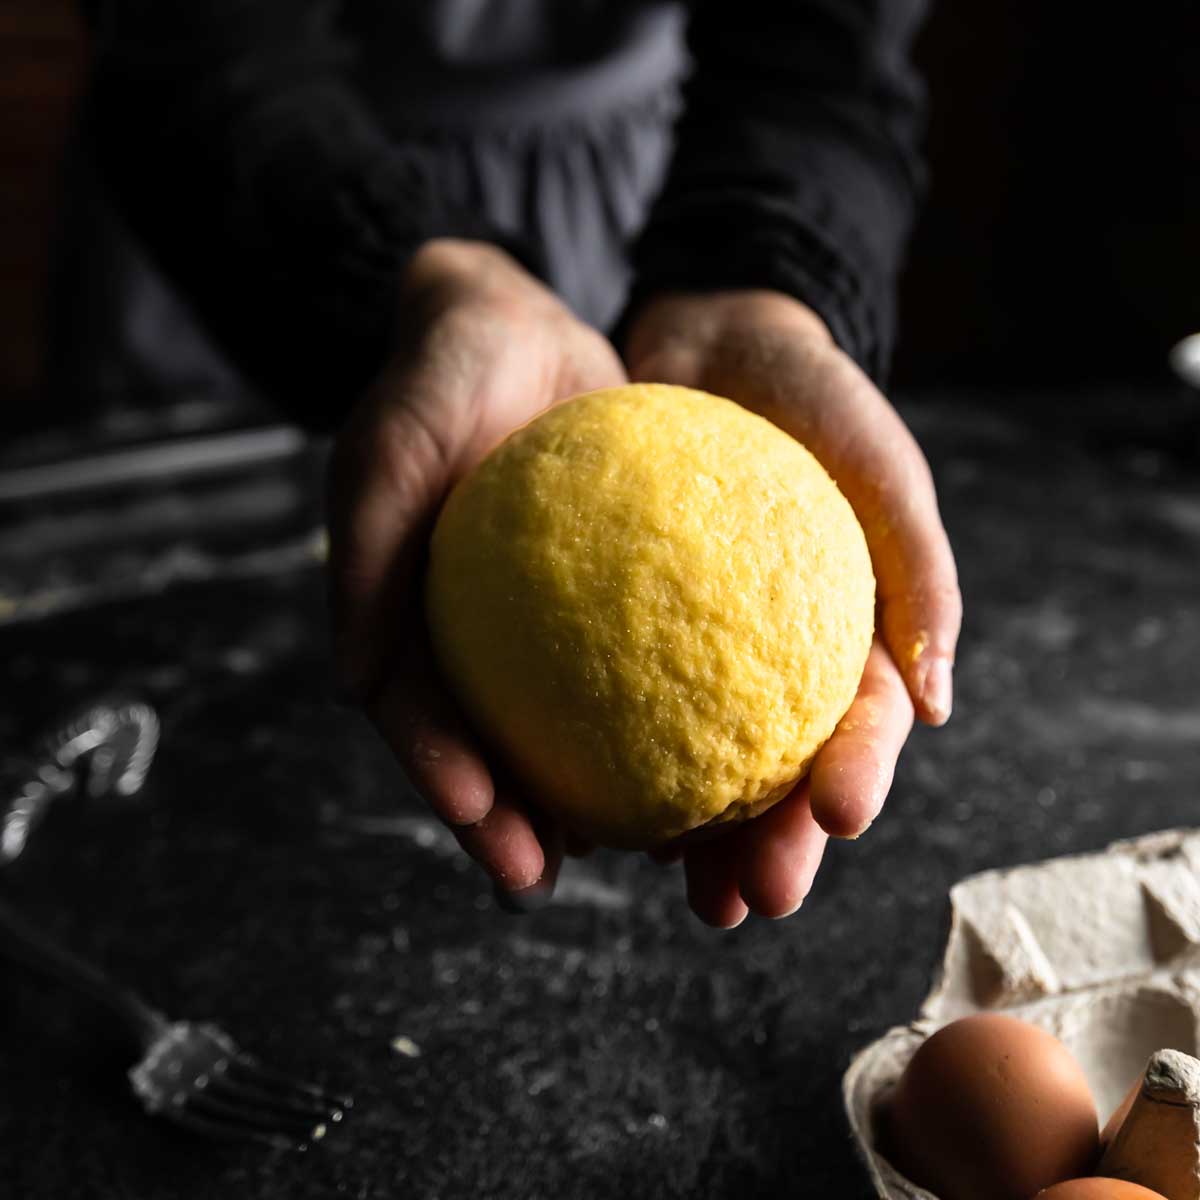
x,y
1101,950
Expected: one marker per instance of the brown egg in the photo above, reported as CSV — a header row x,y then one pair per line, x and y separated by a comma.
x,y
991,1108
1098,1189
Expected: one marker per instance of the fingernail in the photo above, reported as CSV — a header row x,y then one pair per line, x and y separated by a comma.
x,y
853,837
524,901
937,692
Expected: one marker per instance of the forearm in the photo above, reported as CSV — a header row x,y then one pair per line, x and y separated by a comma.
x,y
796,165
262,185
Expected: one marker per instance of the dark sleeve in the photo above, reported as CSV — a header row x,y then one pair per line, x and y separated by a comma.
x,y
260,182
796,165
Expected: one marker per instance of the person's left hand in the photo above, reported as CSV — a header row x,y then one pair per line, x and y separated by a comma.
x,y
776,357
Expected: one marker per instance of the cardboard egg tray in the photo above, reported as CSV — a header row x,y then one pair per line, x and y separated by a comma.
x,y
1102,950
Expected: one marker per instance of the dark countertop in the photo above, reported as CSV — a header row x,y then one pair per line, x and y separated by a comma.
x,y
276,876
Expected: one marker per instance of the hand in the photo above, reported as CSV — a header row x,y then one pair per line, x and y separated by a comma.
x,y
486,348
775,356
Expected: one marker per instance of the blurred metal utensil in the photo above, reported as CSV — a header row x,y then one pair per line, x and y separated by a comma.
x,y
190,1073
1185,359
107,748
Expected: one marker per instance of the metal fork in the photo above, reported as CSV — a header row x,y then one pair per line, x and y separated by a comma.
x,y
190,1073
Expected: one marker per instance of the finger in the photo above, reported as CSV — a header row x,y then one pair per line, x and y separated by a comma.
x,y
779,361
711,869
553,839
422,725
881,470
537,895
506,845
874,459
852,773
921,625
781,851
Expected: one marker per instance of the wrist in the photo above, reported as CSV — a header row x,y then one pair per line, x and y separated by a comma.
x,y
704,319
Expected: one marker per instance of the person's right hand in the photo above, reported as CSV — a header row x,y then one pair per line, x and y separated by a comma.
x,y
485,348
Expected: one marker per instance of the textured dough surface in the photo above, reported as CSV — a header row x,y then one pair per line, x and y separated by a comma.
x,y
656,604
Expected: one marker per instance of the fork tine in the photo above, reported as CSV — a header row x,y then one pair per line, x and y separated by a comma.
x,y
215,1108
250,1070
226,1131
226,1087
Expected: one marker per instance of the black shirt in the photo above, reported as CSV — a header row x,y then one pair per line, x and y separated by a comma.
x,y
282,158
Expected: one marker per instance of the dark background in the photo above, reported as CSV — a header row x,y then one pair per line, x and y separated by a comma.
x,y
1062,233
276,876
1061,238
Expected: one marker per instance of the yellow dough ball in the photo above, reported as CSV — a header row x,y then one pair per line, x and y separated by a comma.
x,y
656,605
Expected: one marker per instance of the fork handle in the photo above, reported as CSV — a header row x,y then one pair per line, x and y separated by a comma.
x,y
25,944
